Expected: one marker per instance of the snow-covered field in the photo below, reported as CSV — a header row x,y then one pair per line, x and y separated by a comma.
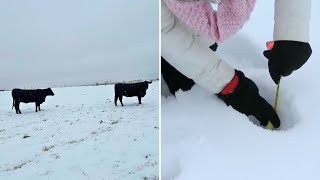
x,y
202,138
81,134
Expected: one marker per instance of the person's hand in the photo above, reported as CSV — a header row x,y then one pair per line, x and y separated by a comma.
x,y
245,98
286,57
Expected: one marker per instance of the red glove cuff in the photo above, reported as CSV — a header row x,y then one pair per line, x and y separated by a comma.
x,y
231,86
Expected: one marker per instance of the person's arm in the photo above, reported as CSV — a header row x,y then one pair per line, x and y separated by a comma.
x,y
292,20
192,58
197,61
291,48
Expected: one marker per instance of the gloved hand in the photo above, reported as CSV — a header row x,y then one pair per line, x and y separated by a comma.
x,y
245,98
286,57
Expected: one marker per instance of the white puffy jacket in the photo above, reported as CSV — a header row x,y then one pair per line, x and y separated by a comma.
x,y
190,55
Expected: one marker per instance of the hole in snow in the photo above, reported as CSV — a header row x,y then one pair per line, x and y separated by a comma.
x,y
286,110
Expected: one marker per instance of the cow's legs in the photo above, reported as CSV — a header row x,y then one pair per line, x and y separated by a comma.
x,y
139,98
37,107
19,107
16,105
120,98
115,99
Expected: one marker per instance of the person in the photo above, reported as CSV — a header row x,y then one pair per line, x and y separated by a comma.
x,y
190,27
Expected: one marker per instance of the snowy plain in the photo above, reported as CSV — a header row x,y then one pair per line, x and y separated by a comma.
x,y
81,134
202,138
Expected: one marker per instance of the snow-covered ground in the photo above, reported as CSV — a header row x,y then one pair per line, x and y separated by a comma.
x,y
202,138
81,134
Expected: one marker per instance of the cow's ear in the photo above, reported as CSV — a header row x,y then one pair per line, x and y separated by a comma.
x,y
149,82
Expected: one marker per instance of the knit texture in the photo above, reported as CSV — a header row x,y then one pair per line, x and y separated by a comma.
x,y
217,25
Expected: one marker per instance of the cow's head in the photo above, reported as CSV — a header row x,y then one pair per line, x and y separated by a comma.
x,y
49,92
145,86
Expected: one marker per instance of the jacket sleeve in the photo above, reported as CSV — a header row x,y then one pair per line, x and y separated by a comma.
x,y
292,19
184,51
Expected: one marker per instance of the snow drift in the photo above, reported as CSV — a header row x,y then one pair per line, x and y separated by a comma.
x,y
80,134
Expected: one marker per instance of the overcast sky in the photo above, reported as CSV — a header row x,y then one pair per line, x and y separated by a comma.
x,y
77,41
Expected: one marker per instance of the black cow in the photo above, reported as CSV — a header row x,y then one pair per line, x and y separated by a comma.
x,y
37,96
130,90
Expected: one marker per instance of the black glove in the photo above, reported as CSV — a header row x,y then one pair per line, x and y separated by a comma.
x,y
246,99
286,57
174,79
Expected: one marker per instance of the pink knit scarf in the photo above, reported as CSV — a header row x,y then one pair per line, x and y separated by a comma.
x,y
217,25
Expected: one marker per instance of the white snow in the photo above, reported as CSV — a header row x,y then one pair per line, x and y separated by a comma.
x,y
81,134
202,138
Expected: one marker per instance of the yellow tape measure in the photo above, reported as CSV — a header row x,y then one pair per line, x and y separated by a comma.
x,y
270,45
269,125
